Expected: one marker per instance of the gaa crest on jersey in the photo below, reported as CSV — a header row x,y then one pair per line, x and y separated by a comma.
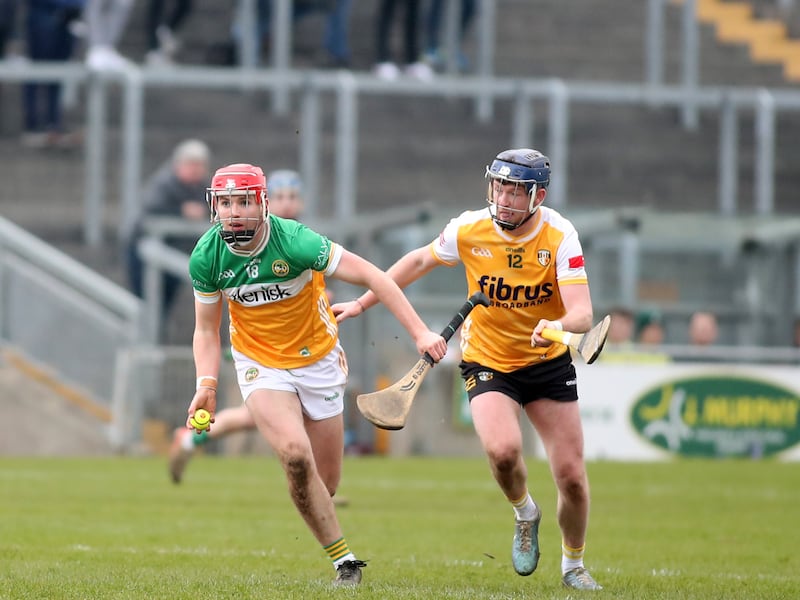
x,y
280,268
251,374
544,256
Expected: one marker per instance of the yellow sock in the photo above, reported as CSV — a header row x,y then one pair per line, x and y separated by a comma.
x,y
339,552
571,558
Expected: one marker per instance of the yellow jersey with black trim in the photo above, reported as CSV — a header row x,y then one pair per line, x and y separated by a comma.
x,y
279,311
521,276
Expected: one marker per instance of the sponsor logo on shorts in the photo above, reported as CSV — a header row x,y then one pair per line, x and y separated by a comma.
x,y
331,398
471,381
251,374
571,382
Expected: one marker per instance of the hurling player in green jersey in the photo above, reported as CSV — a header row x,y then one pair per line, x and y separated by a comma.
x,y
285,193
290,365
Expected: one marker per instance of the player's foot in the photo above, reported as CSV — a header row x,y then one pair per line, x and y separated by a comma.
x,y
349,572
178,455
525,550
579,579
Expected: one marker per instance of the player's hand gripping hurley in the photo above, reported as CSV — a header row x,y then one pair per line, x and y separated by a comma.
x,y
588,345
389,408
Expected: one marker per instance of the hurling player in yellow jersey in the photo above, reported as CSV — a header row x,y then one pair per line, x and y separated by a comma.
x,y
290,366
528,260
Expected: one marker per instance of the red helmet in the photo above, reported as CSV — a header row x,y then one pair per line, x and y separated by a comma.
x,y
240,179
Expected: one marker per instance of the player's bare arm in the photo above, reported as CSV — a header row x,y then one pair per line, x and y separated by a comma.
x,y
207,355
404,272
577,317
358,271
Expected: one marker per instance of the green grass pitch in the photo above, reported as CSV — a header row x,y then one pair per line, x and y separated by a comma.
x,y
429,528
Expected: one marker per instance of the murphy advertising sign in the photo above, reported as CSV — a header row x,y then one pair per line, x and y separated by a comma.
x,y
718,416
651,412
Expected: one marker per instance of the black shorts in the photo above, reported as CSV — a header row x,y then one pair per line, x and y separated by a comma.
x,y
554,379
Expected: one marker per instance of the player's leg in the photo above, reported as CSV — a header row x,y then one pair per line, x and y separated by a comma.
x,y
559,427
186,441
496,419
279,418
327,444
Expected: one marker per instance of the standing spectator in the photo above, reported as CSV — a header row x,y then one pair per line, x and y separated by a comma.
x,y
49,39
703,328
530,264
162,42
176,189
8,24
337,27
106,21
435,54
385,67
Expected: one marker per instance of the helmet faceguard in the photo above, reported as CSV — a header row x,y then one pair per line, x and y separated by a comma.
x,y
238,180
525,167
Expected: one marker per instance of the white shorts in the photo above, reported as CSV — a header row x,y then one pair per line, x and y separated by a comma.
x,y
319,386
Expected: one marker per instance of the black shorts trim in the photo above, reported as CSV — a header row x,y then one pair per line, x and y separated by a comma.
x,y
554,379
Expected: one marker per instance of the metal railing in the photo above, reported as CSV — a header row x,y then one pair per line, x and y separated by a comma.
x,y
347,88
61,314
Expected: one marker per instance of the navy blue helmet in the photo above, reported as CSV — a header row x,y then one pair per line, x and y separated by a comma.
x,y
521,166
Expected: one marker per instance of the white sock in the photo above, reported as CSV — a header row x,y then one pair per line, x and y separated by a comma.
x,y
571,558
345,558
525,508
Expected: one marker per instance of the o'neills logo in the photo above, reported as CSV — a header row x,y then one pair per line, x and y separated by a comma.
x,y
718,416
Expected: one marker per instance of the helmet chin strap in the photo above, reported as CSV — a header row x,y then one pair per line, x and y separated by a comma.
x,y
506,226
236,239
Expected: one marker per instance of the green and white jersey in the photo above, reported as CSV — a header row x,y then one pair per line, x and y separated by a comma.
x,y
279,312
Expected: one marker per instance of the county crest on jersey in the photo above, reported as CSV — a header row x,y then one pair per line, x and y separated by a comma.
x,y
279,312
520,275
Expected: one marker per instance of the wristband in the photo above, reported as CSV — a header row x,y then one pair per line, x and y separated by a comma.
x,y
208,382
557,325
357,301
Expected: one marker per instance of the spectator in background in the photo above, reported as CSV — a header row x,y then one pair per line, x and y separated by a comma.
x,y
649,328
106,21
8,24
162,43
435,53
703,329
385,67
796,334
620,332
48,39
337,28
176,189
